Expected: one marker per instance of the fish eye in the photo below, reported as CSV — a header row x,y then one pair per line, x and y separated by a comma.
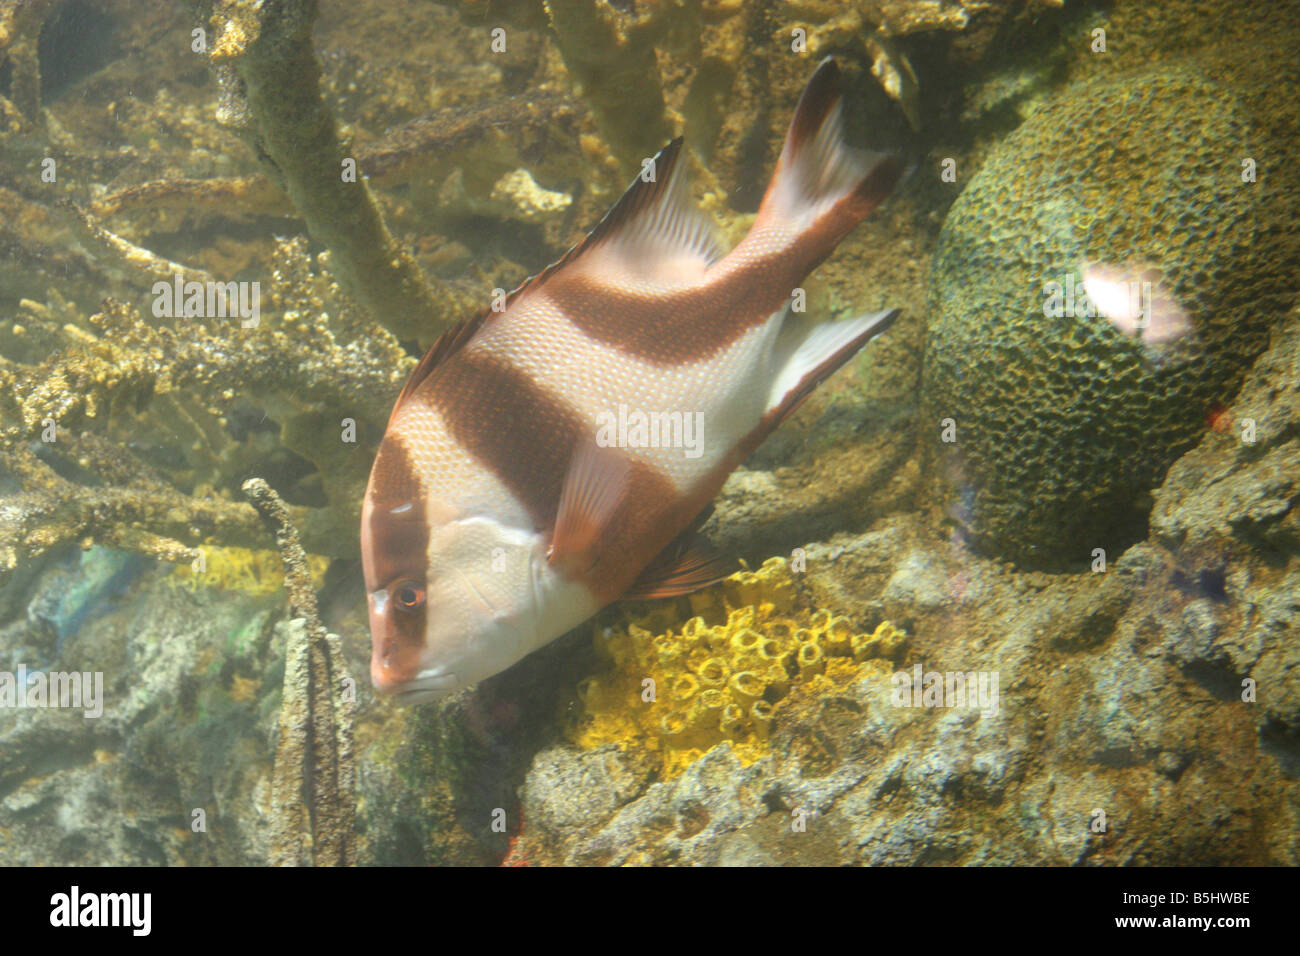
x,y
408,595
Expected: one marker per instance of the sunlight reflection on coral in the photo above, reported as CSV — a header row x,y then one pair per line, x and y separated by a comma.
x,y
1132,298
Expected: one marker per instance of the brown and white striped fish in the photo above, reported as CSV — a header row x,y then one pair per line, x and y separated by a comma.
x,y
547,459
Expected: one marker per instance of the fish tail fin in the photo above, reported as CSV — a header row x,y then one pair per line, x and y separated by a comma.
x,y
823,187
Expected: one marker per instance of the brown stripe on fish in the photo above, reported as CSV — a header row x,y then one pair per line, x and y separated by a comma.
x,y
696,323
529,440
518,430
686,325
395,540
640,533
815,103
393,479
403,633
842,218
397,525
653,515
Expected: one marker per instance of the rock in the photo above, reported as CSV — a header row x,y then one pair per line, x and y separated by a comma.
x,y
189,688
1111,725
1238,489
918,583
1228,514
603,779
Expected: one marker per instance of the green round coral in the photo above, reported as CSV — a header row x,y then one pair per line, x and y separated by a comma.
x,y
1064,420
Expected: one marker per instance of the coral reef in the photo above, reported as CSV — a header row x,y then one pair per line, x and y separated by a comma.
x,y
269,68
610,53
722,674
300,359
181,756
1066,414
1158,691
109,224
1140,708
20,26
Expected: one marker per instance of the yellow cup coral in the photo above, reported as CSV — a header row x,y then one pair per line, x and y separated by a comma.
x,y
724,670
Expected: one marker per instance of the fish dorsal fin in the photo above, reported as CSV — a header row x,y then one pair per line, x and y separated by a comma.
x,y
448,344
653,234
688,564
596,483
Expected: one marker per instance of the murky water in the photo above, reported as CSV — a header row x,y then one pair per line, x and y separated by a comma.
x,y
1014,577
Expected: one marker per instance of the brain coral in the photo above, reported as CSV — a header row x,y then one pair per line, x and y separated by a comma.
x,y
1066,419
750,649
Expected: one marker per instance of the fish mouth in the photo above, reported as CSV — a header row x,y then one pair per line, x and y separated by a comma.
x,y
423,688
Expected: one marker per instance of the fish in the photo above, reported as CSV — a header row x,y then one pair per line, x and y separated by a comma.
x,y
558,453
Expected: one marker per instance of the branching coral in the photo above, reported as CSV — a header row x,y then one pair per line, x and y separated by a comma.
x,y
751,647
490,134
20,22
119,381
33,249
611,54
14,16
298,361
294,135
148,516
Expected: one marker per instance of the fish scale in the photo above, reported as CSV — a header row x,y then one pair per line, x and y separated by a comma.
x,y
594,379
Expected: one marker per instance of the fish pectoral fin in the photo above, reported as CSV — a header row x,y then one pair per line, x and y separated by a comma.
x,y
594,487
687,565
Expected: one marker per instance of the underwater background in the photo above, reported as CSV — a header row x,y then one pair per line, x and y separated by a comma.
x,y
1069,474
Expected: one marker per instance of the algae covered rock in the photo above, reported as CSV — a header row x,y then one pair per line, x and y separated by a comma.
x,y
1098,292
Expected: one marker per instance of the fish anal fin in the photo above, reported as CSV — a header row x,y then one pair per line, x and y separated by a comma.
x,y
811,357
594,488
685,566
